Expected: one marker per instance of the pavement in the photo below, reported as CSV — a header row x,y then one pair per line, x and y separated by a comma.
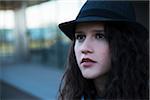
x,y
39,80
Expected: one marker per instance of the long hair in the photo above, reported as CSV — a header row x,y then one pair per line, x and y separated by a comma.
x,y
129,74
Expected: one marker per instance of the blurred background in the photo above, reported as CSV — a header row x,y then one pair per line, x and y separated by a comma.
x,y
33,51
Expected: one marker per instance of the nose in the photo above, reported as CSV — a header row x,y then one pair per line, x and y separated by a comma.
x,y
86,51
86,47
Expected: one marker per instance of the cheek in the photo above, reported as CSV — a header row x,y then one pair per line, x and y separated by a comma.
x,y
77,53
105,57
104,53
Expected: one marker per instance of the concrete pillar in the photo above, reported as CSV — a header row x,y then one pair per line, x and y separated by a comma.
x,y
20,32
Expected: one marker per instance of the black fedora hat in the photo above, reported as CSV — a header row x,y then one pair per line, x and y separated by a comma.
x,y
104,11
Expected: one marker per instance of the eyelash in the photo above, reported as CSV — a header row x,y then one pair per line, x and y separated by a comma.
x,y
99,36
81,37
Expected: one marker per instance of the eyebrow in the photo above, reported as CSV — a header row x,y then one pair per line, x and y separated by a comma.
x,y
98,30
95,30
79,32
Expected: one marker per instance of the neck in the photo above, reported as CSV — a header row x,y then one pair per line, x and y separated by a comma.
x,y
100,83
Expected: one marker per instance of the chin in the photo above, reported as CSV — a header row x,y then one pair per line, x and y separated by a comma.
x,y
89,76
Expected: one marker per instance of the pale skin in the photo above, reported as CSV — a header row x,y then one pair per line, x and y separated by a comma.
x,y
92,52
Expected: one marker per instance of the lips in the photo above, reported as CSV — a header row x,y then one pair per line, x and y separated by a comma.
x,y
87,62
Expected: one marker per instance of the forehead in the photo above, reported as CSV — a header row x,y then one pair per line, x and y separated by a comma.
x,y
89,25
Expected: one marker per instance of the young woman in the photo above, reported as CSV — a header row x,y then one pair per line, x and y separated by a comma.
x,y
108,58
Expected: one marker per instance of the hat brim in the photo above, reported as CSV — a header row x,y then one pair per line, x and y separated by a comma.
x,y
69,27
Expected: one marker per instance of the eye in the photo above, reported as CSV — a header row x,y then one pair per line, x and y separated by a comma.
x,y
99,36
80,37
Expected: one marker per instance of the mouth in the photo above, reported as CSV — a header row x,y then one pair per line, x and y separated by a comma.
x,y
87,62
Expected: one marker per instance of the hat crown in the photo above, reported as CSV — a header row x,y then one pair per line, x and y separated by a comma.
x,y
120,12
108,9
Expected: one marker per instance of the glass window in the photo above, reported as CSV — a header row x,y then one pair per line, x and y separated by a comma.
x,y
7,36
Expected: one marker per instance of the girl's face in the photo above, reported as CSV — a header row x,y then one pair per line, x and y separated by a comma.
x,y
92,50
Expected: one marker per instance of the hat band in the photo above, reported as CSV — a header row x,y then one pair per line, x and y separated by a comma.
x,y
102,13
